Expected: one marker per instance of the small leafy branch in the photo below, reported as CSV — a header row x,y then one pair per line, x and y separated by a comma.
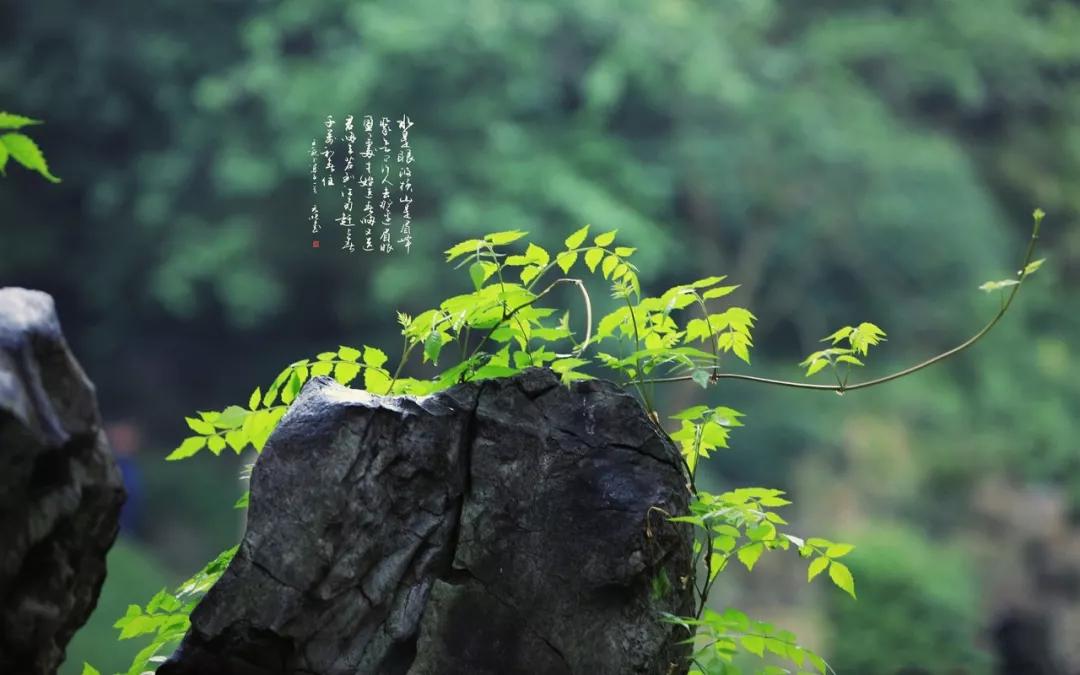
x,y
504,326
20,147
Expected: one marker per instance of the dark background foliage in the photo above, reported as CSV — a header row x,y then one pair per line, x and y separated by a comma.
x,y
843,161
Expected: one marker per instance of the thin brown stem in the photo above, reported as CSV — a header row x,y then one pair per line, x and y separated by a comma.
x,y
841,387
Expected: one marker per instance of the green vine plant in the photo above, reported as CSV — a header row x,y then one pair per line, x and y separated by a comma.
x,y
18,146
506,324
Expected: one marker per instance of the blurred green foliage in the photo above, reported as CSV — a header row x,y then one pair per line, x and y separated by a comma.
x,y
923,596
842,160
135,574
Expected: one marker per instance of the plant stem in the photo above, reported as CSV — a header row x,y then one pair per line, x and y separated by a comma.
x,y
841,388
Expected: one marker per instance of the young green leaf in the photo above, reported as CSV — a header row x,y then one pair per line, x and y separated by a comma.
x,y
605,239
748,555
839,550
529,273
1033,266
467,246
26,152
199,426
216,444
476,273
576,239
566,260
754,644
348,353
187,448
991,286
841,576
593,257
718,292
12,121
501,238
373,357
345,373
537,255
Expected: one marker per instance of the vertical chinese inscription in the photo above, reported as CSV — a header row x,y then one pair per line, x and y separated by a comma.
x,y
314,217
405,160
367,181
377,157
386,203
345,220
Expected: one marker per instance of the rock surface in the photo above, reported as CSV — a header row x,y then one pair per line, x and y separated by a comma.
x,y
60,490
495,528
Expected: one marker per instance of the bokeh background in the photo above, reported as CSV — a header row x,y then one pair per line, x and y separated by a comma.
x,y
843,160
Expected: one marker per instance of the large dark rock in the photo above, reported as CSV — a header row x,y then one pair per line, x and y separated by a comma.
x,y
496,528
60,490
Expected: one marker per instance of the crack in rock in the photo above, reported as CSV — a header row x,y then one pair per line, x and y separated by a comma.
x,y
495,527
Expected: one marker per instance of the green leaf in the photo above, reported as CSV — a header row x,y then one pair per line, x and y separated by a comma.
x,y
841,576
537,255
236,439
348,353
216,444
374,358
501,238
718,292
692,413
187,448
864,336
432,346
256,398
231,417
26,152
701,377
839,550
1033,266
12,121
593,257
575,240
838,335
816,366
566,260
199,426
87,669
292,387
345,373
377,381
610,263
605,238
529,273
748,555
991,286
753,644
707,281
476,273
741,350
848,358
816,567
3,159
468,246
